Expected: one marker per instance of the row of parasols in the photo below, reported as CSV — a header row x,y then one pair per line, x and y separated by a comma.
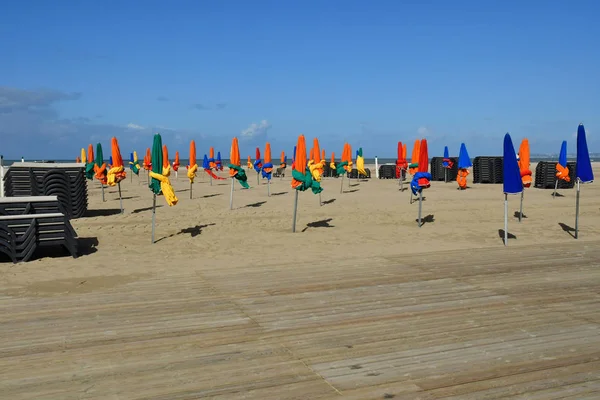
x,y
307,171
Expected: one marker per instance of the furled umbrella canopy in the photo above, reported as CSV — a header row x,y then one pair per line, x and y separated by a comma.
x,y
584,166
360,162
512,183
100,165
235,169
316,164
193,167
401,163
414,162
257,161
83,157
218,162
422,178
562,170
160,174
464,163
134,163
283,161
211,158
89,166
301,180
116,173
176,163
524,163
447,161
148,160
267,168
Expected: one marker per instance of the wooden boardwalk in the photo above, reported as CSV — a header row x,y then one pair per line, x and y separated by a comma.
x,y
502,323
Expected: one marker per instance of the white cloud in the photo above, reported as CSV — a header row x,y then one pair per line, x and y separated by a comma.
x,y
423,131
131,125
256,129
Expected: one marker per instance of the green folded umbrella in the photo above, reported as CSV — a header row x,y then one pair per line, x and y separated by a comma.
x,y
99,156
240,175
157,163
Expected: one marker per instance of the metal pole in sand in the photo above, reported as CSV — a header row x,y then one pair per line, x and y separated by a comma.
x,y
577,212
190,190
402,175
102,186
342,185
268,187
420,205
445,175
231,196
210,180
521,207
505,219
153,216
120,197
295,211
555,187
258,179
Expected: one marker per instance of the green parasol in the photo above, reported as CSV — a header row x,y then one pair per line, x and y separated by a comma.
x,y
100,168
157,163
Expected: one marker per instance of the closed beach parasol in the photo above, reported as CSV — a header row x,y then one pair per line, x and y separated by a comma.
x,y
257,165
267,168
422,178
360,164
524,163
159,175
236,172
301,179
89,166
414,161
583,170
512,183
447,163
562,170
116,173
193,167
176,164
401,164
316,164
464,163
100,168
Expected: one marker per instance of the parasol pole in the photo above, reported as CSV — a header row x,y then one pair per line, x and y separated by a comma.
x,y
258,178
120,197
420,205
521,207
402,173
342,185
210,179
577,211
153,216
295,212
231,196
190,190
268,187
505,219
102,186
445,175
555,187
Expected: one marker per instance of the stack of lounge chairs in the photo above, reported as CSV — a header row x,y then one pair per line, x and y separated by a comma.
x,y
27,223
438,172
65,181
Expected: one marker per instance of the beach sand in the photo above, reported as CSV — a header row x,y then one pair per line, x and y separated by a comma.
x,y
369,229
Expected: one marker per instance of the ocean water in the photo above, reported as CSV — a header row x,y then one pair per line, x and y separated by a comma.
x,y
382,160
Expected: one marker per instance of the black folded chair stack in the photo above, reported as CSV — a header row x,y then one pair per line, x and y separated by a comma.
x,y
65,181
389,172
545,175
488,169
354,174
438,172
328,172
27,223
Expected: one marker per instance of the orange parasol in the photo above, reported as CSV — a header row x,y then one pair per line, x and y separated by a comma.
x,y
166,163
176,163
414,161
116,173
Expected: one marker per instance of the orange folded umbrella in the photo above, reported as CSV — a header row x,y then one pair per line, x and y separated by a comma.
x,y
323,155
116,173
414,162
166,163
524,163
90,153
267,153
176,163
148,159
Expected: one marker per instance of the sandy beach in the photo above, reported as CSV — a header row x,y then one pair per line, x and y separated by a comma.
x,y
352,247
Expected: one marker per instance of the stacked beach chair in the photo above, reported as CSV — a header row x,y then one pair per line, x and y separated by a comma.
x,y
27,223
354,174
387,171
488,170
545,175
40,199
65,181
438,172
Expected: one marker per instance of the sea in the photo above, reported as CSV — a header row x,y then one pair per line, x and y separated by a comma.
x,y
380,161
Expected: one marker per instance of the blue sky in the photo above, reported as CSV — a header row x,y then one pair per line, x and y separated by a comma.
x,y
367,72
